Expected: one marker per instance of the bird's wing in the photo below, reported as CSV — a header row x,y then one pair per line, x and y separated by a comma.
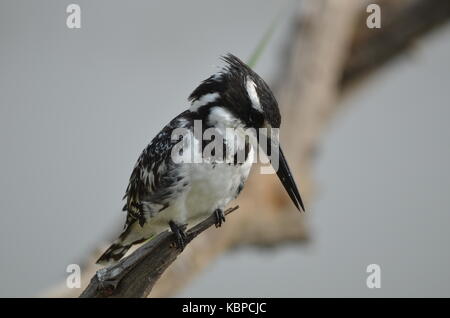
x,y
155,179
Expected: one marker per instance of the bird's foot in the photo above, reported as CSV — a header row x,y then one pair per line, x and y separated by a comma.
x,y
142,219
180,235
220,217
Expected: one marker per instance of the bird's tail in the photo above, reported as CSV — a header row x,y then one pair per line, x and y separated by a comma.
x,y
120,246
114,253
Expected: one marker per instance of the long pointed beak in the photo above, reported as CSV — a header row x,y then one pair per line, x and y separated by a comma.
x,y
283,171
285,176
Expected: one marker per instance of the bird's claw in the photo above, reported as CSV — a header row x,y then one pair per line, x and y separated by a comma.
x,y
220,217
142,220
180,235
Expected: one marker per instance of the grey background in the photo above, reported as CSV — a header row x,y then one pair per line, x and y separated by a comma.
x,y
78,106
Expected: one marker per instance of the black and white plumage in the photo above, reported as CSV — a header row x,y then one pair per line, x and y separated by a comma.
x,y
164,192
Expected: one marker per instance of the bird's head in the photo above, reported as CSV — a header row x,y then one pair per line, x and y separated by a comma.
x,y
237,95
238,90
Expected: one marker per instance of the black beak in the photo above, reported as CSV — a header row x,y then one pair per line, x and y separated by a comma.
x,y
285,176
284,173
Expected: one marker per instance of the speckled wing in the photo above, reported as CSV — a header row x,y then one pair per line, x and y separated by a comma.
x,y
155,179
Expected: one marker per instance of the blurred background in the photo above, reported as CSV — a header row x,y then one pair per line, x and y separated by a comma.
x,y
366,117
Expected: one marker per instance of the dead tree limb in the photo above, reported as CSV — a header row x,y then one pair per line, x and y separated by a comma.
x,y
136,274
403,23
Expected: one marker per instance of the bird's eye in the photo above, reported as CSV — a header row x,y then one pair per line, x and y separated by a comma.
x,y
256,118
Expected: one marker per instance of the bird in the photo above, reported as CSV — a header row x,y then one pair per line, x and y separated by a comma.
x,y
167,193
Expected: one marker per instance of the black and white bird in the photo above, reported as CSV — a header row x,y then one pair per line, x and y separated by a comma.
x,y
164,192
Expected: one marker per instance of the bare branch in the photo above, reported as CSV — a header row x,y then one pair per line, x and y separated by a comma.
x,y
135,275
403,22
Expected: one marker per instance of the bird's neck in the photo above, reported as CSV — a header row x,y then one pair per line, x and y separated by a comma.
x,y
213,116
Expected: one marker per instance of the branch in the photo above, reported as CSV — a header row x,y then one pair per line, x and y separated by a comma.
x,y
403,22
135,275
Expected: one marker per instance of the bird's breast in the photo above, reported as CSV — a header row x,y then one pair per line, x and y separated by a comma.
x,y
214,185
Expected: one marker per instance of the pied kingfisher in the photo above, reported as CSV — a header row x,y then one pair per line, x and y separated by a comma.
x,y
164,192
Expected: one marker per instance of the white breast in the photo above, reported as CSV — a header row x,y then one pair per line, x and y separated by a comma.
x,y
211,184
214,186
